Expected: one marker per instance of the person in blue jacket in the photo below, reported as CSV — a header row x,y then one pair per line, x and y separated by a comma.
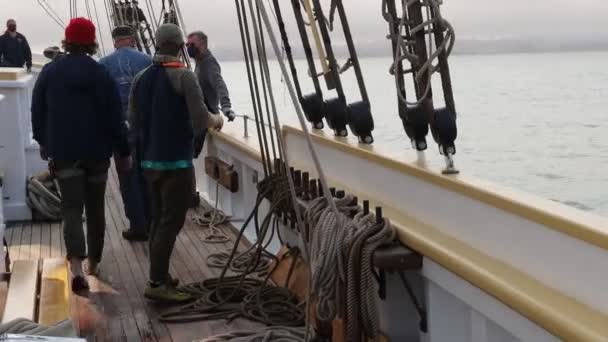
x,y
77,119
15,51
124,64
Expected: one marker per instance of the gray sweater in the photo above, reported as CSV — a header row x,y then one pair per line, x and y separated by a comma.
x,y
210,78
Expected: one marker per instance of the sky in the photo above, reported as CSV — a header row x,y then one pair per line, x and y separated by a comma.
x,y
472,19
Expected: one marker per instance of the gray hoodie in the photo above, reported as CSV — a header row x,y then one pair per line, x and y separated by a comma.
x,y
185,83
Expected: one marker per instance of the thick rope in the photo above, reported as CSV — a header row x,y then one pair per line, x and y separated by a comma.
x,y
241,296
211,220
43,196
341,257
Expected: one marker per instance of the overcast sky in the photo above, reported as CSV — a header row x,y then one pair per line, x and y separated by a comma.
x,y
481,19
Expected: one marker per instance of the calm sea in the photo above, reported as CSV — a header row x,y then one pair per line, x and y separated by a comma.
x,y
536,122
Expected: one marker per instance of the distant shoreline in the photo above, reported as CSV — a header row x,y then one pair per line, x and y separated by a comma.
x,y
233,56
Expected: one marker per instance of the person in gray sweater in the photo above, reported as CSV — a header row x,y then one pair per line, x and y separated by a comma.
x,y
209,75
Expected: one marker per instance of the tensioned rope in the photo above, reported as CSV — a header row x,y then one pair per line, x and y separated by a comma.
x,y
51,13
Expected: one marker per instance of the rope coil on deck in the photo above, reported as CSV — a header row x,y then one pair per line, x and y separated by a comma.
x,y
229,297
44,196
211,220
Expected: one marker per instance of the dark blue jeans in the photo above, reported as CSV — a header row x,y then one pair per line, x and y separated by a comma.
x,y
135,198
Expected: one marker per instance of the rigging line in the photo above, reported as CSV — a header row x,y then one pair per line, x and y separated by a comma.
x,y
55,19
109,15
87,7
259,113
287,47
54,13
297,10
249,77
352,50
300,115
116,5
333,63
101,40
313,153
150,10
315,33
261,57
180,16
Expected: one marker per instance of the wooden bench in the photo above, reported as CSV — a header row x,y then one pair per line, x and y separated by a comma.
x,y
38,290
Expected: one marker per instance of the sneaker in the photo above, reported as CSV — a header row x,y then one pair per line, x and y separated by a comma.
x,y
91,267
166,294
79,283
133,235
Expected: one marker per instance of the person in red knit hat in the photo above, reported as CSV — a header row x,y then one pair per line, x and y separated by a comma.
x,y
77,120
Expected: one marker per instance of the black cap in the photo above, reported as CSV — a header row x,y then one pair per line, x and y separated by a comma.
x,y
122,31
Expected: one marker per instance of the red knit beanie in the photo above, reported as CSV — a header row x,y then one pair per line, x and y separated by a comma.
x,y
80,31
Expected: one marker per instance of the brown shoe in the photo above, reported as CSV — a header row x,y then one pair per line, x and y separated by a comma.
x,y
91,267
79,283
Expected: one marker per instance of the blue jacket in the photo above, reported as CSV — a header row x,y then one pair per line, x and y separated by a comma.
x,y
76,111
15,52
124,64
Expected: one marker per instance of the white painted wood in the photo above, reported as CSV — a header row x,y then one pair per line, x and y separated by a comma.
x,y
475,299
449,318
14,132
479,329
573,267
457,311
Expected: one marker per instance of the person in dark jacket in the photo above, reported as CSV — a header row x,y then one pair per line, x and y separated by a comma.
x,y
14,49
78,122
166,112
124,64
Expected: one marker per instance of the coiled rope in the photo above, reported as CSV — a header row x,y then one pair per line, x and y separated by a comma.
x,y
341,258
228,297
44,196
211,220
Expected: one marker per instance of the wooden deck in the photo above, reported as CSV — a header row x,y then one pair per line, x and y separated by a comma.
x,y
116,297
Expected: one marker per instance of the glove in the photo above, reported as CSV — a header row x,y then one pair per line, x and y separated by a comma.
x,y
230,114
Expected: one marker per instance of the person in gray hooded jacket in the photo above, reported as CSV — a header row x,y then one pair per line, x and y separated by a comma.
x,y
167,114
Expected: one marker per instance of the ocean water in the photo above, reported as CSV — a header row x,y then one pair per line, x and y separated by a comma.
x,y
535,122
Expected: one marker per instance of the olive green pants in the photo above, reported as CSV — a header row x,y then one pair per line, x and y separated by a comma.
x,y
170,197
